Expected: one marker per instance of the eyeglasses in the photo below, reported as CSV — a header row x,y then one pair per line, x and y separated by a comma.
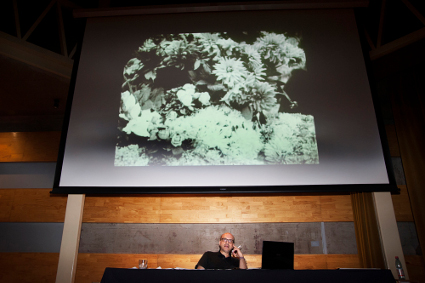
x,y
227,240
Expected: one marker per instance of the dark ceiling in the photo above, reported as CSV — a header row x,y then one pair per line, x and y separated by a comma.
x,y
38,44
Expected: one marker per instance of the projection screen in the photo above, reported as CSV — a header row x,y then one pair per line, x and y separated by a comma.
x,y
238,101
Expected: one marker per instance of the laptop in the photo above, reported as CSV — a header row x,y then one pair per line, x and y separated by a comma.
x,y
277,255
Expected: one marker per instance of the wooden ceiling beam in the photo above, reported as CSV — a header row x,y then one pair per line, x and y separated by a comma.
x,y
62,36
369,40
381,24
17,22
72,53
40,18
414,11
397,44
36,56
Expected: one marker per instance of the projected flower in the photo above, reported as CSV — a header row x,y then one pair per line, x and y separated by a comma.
x,y
253,57
204,98
132,67
289,142
208,43
221,130
228,46
230,71
130,109
141,124
178,53
185,95
148,46
295,55
271,47
263,97
208,99
283,52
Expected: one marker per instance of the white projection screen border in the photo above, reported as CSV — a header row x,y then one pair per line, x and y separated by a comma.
x,y
254,101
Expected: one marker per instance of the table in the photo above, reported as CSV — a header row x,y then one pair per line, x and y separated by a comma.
x,y
120,275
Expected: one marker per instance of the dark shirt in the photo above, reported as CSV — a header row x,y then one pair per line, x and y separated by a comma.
x,y
216,260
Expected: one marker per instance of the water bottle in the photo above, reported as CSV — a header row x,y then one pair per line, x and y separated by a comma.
x,y
399,268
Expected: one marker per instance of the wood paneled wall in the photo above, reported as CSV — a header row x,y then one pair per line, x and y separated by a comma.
x,y
28,267
29,146
31,205
217,209
38,205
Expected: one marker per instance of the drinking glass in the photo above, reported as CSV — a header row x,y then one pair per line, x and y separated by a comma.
x,y
143,263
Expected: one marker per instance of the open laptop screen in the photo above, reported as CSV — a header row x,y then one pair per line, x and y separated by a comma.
x,y
277,255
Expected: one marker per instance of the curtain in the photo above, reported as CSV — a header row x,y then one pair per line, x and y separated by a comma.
x,y
367,233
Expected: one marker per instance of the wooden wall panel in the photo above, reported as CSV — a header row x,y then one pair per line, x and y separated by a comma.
x,y
335,261
6,204
309,261
38,205
31,205
28,267
11,147
415,267
401,203
114,209
336,208
217,209
178,260
29,146
196,209
275,209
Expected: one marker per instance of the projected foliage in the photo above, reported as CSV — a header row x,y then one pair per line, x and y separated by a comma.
x,y
208,99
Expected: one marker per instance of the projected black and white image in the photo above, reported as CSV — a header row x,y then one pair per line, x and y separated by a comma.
x,y
213,99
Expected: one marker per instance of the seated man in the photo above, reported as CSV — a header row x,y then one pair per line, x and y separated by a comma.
x,y
223,258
